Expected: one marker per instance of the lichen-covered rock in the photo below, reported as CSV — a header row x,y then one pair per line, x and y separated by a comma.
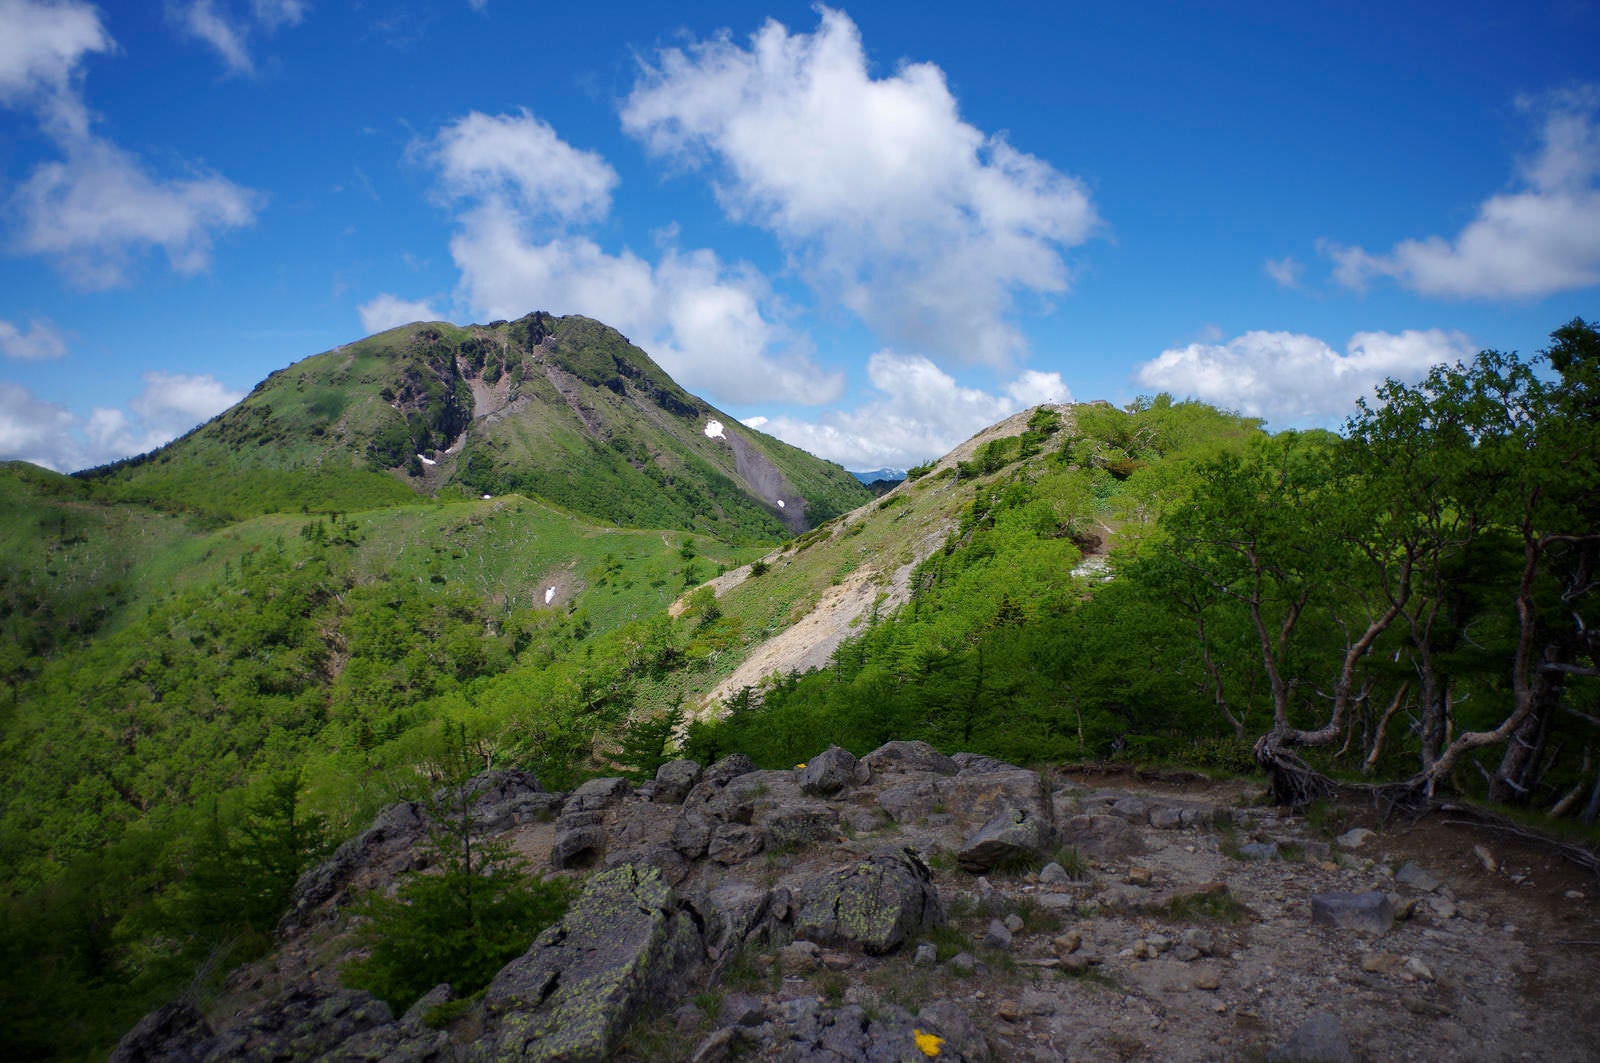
x,y
976,764
799,826
874,905
674,780
173,1033
902,757
732,843
828,772
580,841
665,859
625,943
1010,836
308,1022
806,1032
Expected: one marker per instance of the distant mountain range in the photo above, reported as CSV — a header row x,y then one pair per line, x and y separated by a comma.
x,y
890,475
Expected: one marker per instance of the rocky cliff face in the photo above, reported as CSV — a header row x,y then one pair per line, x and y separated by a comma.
x,y
910,905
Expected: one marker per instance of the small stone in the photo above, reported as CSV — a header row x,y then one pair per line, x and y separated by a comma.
x,y
997,936
1207,977
1142,951
1053,874
926,956
1380,962
1404,907
1259,851
1140,876
1354,838
1014,923
1415,877
798,957
837,961
1008,1010
965,962
1037,1002
1573,895
1199,939
1417,969
1186,953
1158,943
1443,907
1486,859
1068,943
1315,850
1075,963
1320,1038
1166,818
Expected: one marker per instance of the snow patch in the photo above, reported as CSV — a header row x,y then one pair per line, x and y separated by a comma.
x,y
549,595
487,497
714,430
427,461
780,503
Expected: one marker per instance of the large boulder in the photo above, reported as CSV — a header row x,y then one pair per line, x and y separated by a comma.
x,y
599,794
1369,912
626,943
580,841
828,772
674,780
501,799
308,1022
173,1033
1011,836
1107,837
899,758
875,904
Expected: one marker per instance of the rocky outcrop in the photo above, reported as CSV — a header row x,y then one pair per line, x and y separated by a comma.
x,y
875,905
625,942
394,832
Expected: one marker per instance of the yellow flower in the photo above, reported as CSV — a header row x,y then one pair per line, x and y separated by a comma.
x,y
797,767
928,1042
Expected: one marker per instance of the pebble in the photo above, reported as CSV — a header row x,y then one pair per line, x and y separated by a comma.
x,y
1140,876
1443,907
926,955
1573,895
1207,978
1354,838
998,936
1417,969
1486,859
1014,923
1068,943
1199,940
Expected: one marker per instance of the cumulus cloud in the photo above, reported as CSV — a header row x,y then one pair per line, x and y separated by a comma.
x,y
229,31
1293,379
96,208
523,197
388,311
885,199
1541,237
919,412
49,434
41,340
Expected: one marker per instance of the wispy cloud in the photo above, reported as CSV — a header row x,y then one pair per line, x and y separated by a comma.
x,y
40,341
390,311
229,31
1285,271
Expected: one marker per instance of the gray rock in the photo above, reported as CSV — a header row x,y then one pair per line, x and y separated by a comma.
x,y
1200,940
307,1022
997,936
726,770
1259,851
598,794
1320,1039
975,764
674,780
1166,817
1132,809
626,943
910,802
665,859
1053,874
902,757
798,826
580,841
1415,877
393,829
1011,837
926,956
1107,837
828,772
1370,912
874,905
691,835
732,843
1354,838
175,1033
743,1009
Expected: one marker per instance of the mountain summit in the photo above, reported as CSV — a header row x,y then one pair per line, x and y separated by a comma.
x,y
561,408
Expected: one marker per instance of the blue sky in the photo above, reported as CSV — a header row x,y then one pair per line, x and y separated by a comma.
x,y
871,229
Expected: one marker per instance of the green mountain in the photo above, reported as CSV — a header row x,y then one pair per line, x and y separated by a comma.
x,y
560,408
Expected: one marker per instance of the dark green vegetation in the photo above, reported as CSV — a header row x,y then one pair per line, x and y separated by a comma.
x,y
1413,601
219,657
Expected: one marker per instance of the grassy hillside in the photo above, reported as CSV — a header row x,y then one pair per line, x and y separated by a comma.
x,y
563,409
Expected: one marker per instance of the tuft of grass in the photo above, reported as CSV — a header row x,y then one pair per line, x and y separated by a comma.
x,y
1074,863
1211,906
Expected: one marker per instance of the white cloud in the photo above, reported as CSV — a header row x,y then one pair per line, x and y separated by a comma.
x,y
388,311
921,412
521,160
1540,238
199,19
1285,271
1294,379
49,434
229,32
40,53
41,340
96,208
886,200
523,193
